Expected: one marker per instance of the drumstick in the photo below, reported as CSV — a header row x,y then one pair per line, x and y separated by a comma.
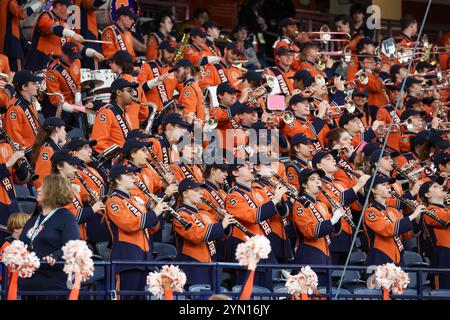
x,y
97,41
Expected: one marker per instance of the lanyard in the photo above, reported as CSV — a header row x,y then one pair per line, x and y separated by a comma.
x,y
37,225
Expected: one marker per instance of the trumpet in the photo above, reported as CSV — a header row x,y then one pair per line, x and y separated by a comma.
x,y
262,90
403,173
396,127
412,205
222,213
107,155
211,123
336,206
333,111
187,225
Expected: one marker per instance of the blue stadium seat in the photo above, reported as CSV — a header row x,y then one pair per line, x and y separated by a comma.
x,y
414,260
103,250
164,251
358,258
167,236
440,293
374,293
342,291
406,292
255,291
25,200
413,279
27,206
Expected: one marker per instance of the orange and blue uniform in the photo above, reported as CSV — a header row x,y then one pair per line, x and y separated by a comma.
x,y
10,44
121,40
214,74
43,165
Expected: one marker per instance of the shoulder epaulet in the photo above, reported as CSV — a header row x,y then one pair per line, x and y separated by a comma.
x,y
233,189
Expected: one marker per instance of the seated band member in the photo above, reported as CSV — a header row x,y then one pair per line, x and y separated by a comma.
x,y
433,194
130,222
314,223
385,226
253,212
198,242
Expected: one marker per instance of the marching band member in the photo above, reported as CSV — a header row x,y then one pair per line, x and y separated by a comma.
x,y
343,195
191,96
112,123
212,33
301,155
289,33
50,137
49,35
157,83
195,50
130,223
282,71
21,121
198,242
314,223
186,167
385,227
309,56
63,76
433,195
66,165
164,23
354,126
119,33
415,124
121,64
217,72
252,211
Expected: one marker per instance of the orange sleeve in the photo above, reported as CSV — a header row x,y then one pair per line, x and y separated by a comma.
x,y
13,123
294,128
443,214
108,49
374,84
53,85
123,217
16,10
5,64
237,206
45,24
188,98
195,234
177,172
304,221
193,56
145,74
208,76
101,129
375,221
43,165
152,48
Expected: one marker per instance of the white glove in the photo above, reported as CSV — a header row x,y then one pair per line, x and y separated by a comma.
x,y
213,59
68,33
78,98
67,107
337,215
91,53
36,6
152,83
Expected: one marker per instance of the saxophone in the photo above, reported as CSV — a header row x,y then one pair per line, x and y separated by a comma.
x,y
182,48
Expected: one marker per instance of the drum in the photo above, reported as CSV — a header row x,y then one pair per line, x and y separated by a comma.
x,y
106,76
88,81
28,24
107,13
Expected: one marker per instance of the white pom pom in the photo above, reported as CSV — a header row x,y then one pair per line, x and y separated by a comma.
x,y
306,275
155,280
20,260
257,247
392,278
78,259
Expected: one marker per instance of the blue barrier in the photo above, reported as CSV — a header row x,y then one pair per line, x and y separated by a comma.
x,y
91,291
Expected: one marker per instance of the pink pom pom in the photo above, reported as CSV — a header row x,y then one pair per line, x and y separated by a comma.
x,y
257,248
20,260
78,259
155,280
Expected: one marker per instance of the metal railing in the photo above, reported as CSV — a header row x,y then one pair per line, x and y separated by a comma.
x,y
104,287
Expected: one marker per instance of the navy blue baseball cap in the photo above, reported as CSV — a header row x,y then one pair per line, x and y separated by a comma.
x,y
138,133
235,47
134,143
246,108
425,187
166,45
296,98
284,51
287,22
53,122
121,83
121,57
127,11
120,169
301,75
226,87
236,164
379,179
410,81
347,117
188,184
63,155
182,63
306,173
411,101
441,158
319,155
376,155
24,76
210,24
197,31
78,142
72,50
300,138
308,82
252,76
430,137
370,147
359,91
411,112
175,118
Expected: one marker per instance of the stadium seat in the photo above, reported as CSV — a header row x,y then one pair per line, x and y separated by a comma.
x,y
358,258
27,206
25,200
406,292
440,293
414,260
164,251
411,244
255,291
103,250
334,290
167,236
374,293
413,279
351,278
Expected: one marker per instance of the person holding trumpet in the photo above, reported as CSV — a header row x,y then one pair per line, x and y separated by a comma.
x,y
385,226
130,222
198,242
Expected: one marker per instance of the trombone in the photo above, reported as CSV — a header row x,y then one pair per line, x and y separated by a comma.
x,y
334,111
396,127
325,35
